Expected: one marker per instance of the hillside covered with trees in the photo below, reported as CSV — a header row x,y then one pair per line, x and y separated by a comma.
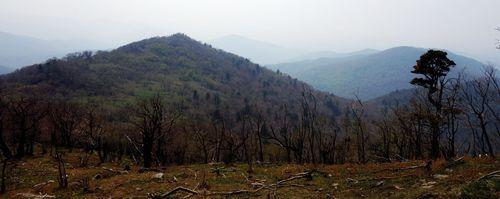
x,y
212,95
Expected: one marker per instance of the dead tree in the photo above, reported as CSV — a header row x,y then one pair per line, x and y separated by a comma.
x,y
385,130
359,129
201,137
62,176
281,132
344,149
65,118
409,131
219,128
259,128
452,111
308,120
327,141
244,118
93,133
491,76
25,113
5,162
6,152
418,126
477,94
154,122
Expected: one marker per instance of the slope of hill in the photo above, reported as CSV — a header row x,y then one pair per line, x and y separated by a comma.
x,y
18,51
368,76
178,66
257,51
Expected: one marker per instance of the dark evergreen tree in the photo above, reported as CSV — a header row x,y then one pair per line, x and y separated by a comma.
x,y
433,66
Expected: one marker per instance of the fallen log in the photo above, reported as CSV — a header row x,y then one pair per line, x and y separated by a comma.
x,y
30,195
205,193
492,174
427,166
40,186
455,162
387,177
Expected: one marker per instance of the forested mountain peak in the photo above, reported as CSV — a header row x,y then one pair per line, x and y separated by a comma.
x,y
178,39
178,67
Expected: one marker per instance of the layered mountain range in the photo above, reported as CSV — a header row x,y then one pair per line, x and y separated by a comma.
x,y
369,76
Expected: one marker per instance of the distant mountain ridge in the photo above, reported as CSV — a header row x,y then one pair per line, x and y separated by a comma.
x,y
17,50
265,53
330,54
257,51
368,76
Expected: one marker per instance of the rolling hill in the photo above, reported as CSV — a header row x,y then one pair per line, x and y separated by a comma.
x,y
368,76
182,69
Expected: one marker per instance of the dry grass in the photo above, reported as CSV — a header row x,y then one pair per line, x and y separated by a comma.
x,y
336,181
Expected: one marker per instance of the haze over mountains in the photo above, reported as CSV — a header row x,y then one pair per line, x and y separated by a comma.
x,y
267,53
368,76
4,69
330,54
368,73
17,51
257,51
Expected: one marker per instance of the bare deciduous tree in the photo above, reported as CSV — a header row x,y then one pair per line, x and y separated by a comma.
x,y
478,95
154,123
25,114
359,125
6,152
93,133
281,132
65,119
452,112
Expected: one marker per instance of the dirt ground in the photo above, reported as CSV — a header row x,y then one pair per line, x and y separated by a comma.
x,y
37,177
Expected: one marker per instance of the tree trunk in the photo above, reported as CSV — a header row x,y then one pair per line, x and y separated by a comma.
x,y
435,143
4,177
261,148
63,179
486,137
20,152
147,151
3,146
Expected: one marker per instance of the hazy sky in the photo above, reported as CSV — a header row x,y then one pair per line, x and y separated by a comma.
x,y
465,26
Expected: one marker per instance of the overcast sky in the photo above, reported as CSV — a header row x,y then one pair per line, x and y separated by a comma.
x,y
464,26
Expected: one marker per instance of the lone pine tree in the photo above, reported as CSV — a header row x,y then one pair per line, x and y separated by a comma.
x,y
434,65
